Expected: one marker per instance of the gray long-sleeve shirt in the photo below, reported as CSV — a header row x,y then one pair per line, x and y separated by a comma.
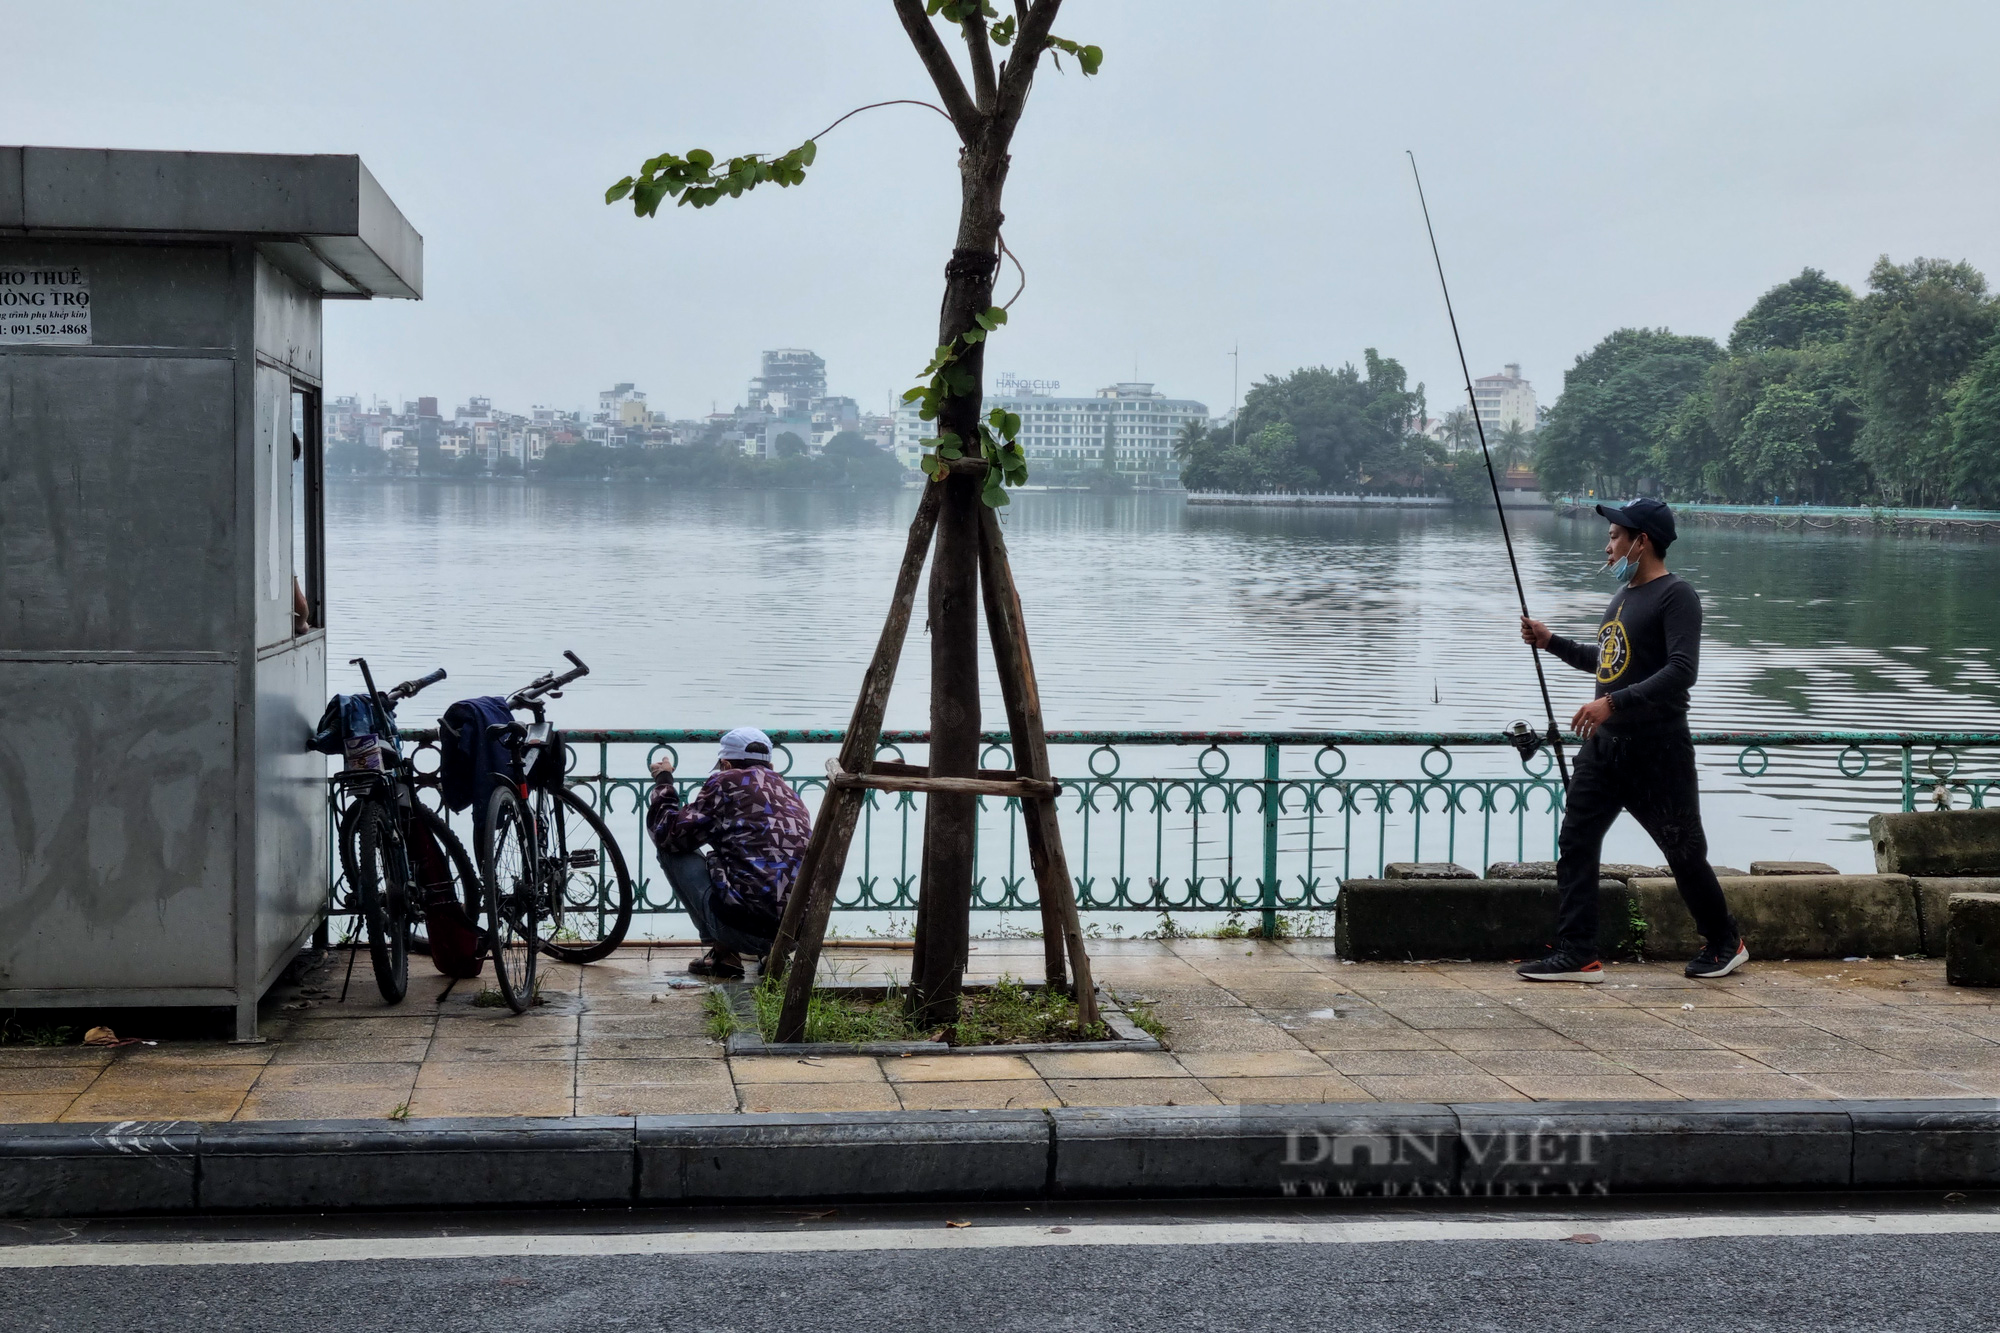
x,y
1647,654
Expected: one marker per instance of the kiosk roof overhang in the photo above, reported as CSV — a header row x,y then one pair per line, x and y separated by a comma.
x,y
322,217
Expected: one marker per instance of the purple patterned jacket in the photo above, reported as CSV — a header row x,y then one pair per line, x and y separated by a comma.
x,y
756,829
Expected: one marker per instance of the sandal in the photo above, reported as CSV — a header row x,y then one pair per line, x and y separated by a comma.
x,y
709,966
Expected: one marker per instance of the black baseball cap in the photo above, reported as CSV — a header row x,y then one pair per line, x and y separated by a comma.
x,y
1646,515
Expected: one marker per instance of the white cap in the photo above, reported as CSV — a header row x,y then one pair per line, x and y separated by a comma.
x,y
745,743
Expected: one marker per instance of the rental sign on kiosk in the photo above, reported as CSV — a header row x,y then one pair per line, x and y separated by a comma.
x,y
44,305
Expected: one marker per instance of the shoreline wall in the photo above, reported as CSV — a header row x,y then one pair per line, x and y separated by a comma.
x,y
1936,524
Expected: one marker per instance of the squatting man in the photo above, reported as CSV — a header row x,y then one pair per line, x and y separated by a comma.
x,y
756,830
1637,754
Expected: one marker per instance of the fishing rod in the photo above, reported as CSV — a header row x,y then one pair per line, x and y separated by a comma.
x,y
1472,401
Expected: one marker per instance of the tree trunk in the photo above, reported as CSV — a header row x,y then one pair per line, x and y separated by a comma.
x,y
944,910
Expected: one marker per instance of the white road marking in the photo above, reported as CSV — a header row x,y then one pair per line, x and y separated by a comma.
x,y
977,1237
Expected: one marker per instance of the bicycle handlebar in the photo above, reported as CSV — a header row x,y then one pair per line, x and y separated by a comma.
x,y
549,684
409,688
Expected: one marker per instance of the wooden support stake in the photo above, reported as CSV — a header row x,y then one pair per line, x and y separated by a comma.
x,y
1062,931
991,782
803,926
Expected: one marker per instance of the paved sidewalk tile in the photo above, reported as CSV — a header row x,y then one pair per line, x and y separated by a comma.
x,y
302,1078
1589,1087
33,1108
956,1068
1437,1088
806,1069
1107,1064
1283,1089
764,1097
1254,1064
49,1080
694,1099
985,1094
350,1050
1132,1092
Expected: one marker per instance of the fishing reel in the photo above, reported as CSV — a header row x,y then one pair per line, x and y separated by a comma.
x,y
1524,738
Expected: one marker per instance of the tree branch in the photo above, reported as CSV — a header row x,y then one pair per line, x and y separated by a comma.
x,y
981,51
1028,44
951,88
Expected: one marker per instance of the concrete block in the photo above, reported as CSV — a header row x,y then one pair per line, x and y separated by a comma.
x,y
1937,842
1331,1150
843,1155
1587,1148
1791,868
93,1170
1617,870
1481,919
1426,870
1934,902
1972,940
455,1163
1926,1144
1793,916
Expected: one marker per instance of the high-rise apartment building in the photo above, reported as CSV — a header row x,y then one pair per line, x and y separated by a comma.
x,y
1504,400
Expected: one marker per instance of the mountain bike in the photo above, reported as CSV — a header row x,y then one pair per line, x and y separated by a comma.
x,y
555,878
382,835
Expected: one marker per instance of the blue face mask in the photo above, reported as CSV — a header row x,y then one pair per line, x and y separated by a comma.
x,y
1623,571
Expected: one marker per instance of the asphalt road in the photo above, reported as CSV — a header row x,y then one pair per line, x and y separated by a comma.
x,y
1906,1264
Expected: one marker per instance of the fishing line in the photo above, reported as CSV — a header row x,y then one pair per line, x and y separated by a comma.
x,y
1472,401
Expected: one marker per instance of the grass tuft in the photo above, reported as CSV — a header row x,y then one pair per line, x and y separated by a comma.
x,y
1012,1014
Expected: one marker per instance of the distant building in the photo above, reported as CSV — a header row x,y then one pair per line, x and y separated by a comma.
x,y
1068,435
1505,400
792,379
621,407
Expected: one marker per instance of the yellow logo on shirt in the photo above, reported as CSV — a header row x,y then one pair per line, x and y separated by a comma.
x,y
1614,651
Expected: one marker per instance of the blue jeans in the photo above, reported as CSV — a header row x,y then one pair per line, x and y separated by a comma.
x,y
688,873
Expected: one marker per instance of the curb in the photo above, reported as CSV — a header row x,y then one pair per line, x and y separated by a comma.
x,y
1334,1150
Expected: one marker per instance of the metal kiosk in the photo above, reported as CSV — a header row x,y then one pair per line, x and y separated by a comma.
x,y
163,834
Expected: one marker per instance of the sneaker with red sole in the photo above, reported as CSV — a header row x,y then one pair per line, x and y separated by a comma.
x,y
1564,965
1719,960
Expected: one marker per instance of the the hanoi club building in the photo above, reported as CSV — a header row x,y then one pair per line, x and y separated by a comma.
x,y
1066,439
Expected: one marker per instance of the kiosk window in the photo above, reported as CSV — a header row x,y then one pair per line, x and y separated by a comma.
x,y
308,512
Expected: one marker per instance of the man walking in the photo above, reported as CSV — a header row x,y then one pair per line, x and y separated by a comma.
x,y
756,829
1637,754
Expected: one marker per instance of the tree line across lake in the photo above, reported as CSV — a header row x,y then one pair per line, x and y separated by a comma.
x,y
1821,396
847,462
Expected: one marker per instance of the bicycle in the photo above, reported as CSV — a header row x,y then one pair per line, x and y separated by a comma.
x,y
545,856
378,837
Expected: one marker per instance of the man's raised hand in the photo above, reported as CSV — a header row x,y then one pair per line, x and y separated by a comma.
x,y
662,767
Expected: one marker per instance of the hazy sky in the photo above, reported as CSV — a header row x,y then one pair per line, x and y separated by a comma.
x,y
1235,174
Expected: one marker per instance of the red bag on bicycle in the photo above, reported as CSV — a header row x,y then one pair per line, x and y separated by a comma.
x,y
454,938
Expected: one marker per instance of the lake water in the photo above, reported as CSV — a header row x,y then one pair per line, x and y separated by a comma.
x,y
724,609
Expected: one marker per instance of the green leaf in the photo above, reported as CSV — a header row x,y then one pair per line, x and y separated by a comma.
x,y
971,336
1002,33
700,157
807,152
994,493
1012,426
618,191
948,437
985,321
911,395
930,465
996,313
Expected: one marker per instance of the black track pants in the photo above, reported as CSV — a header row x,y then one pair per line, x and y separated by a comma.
x,y
1650,774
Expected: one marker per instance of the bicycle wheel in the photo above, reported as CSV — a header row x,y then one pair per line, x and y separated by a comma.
x,y
590,898
509,865
382,883
465,876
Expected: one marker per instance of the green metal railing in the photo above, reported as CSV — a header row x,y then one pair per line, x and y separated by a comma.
x,y
1204,827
